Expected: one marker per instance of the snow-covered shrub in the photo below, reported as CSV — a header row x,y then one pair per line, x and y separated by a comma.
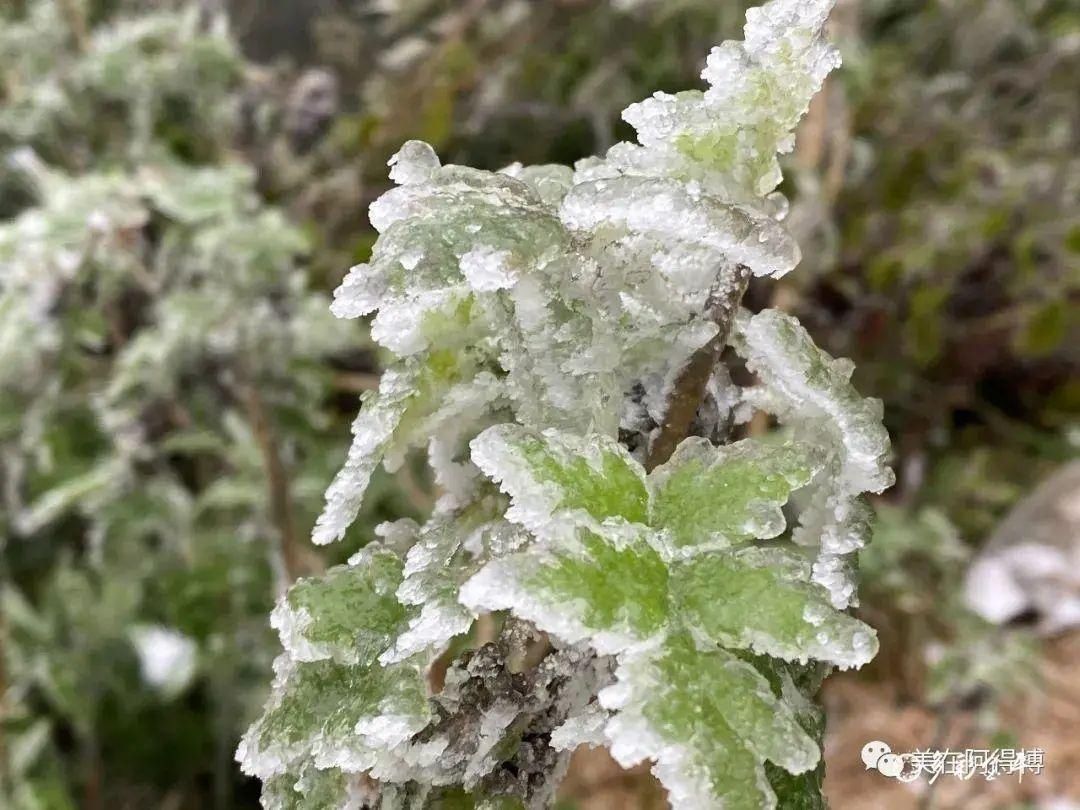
x,y
558,335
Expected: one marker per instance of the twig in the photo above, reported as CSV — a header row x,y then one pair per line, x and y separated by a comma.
x,y
689,388
281,510
356,381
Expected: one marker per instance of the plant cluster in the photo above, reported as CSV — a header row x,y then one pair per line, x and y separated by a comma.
x,y
557,336
163,420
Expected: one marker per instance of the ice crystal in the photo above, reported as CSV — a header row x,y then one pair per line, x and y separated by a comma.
x,y
540,319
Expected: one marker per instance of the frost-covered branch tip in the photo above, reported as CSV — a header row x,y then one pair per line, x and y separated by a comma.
x,y
557,335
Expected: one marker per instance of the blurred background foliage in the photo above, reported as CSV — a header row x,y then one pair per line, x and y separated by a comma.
x,y
183,183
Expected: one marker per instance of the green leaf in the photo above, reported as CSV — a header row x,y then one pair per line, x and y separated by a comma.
x,y
557,472
350,613
706,495
760,599
341,714
610,587
311,789
709,720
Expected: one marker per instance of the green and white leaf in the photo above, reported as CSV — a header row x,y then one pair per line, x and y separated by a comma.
x,y
607,586
708,720
349,614
450,548
728,137
413,397
762,599
448,235
812,391
337,715
557,480
709,497
312,789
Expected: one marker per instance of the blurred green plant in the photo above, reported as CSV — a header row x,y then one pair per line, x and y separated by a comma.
x,y
933,646
942,217
168,410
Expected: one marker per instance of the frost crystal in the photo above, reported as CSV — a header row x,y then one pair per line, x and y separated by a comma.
x,y
542,322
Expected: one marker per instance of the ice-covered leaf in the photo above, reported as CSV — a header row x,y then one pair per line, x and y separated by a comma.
x,y
373,429
312,789
708,496
390,420
446,235
450,548
808,383
729,136
338,715
761,599
667,212
554,472
350,613
607,586
709,720
812,391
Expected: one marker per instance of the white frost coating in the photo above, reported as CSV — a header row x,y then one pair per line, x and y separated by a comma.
x,y
779,350
498,453
377,739
488,269
372,430
835,573
400,326
360,292
633,739
290,626
586,728
448,551
667,209
499,586
396,535
808,389
431,630
493,725
388,730
456,478
413,164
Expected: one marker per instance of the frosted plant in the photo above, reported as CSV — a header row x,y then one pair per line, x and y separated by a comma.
x,y
161,363
557,337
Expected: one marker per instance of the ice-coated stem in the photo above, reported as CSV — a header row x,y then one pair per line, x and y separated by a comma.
x,y
689,388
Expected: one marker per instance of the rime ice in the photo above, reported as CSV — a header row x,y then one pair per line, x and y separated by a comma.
x,y
540,318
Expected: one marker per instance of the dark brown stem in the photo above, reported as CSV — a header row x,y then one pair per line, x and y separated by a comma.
x,y
281,510
689,388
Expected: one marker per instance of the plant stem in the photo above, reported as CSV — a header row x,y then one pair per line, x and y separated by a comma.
x,y
689,388
277,482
